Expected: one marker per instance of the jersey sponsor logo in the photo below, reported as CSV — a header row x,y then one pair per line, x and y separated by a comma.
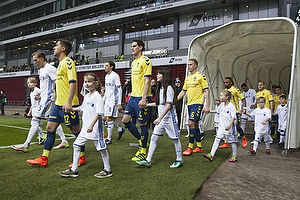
x,y
53,117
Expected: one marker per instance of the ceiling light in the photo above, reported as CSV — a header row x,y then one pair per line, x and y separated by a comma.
x,y
105,32
94,34
147,24
117,30
133,26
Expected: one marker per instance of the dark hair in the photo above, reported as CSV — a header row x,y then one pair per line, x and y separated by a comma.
x,y
39,54
164,83
283,96
95,77
244,85
67,44
112,63
194,60
140,43
275,86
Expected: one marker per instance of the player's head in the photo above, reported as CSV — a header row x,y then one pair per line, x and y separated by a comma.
x,y
225,96
261,101
92,82
164,79
218,100
153,82
31,82
274,88
62,47
192,65
228,82
282,99
278,90
39,58
137,47
244,87
109,66
261,85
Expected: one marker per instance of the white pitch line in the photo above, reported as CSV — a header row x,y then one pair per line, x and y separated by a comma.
x,y
17,127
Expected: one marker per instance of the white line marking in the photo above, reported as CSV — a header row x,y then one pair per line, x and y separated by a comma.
x,y
68,136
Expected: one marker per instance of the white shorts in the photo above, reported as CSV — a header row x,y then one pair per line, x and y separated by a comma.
x,y
111,111
267,137
170,128
81,140
34,120
230,137
44,110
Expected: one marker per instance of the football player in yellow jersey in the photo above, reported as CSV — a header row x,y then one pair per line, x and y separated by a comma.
x,y
236,95
196,87
141,71
66,88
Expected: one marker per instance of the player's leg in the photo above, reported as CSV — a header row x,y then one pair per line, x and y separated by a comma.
x,y
101,147
64,143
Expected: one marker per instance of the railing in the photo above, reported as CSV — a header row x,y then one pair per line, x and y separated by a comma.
x,y
17,104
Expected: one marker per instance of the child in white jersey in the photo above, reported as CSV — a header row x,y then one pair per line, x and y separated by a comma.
x,y
217,106
92,127
262,116
32,84
167,117
227,116
282,112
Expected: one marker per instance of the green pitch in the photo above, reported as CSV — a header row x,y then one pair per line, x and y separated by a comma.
x,y
19,180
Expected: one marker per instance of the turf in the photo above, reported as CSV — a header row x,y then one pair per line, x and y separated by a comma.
x,y
19,180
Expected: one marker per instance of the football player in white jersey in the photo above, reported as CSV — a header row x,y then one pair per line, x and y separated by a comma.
x,y
250,96
92,127
47,78
35,123
167,117
113,100
262,116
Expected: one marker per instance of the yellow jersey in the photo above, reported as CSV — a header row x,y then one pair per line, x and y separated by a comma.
x,y
65,73
267,95
195,84
140,68
235,95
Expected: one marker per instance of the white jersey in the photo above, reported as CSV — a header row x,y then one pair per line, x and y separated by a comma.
x,y
113,90
259,116
282,112
250,97
171,115
217,114
34,103
47,78
92,106
226,113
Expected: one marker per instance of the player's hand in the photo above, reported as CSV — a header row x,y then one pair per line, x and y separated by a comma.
x,y
29,115
120,108
37,96
252,106
67,107
142,103
263,123
244,111
227,128
157,121
89,129
206,110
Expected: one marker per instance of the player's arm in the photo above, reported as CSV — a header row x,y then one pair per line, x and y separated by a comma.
x,y
90,127
119,88
167,108
272,106
143,101
75,109
244,106
153,104
68,106
181,94
230,124
265,121
206,93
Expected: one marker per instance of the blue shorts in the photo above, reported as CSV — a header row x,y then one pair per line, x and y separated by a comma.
x,y
195,112
60,116
238,120
133,109
274,119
